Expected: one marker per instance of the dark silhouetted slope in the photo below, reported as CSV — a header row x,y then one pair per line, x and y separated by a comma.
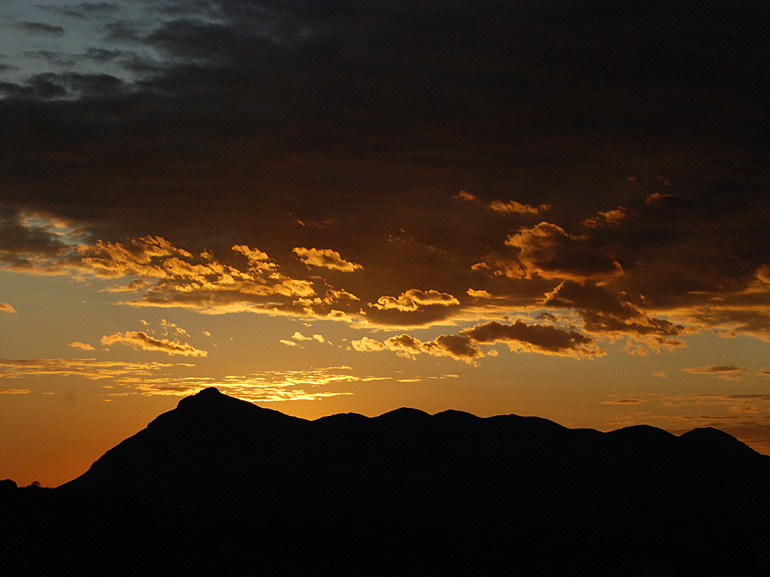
x,y
410,492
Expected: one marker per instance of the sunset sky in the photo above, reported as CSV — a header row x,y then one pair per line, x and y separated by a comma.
x,y
546,208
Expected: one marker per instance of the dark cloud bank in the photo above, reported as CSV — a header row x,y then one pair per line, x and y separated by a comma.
x,y
613,156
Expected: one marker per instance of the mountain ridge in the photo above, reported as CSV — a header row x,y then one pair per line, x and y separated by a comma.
x,y
218,484
177,451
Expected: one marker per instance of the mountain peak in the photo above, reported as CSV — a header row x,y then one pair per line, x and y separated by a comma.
x,y
209,392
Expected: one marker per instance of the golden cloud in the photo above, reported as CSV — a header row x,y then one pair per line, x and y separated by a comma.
x,y
256,258
81,346
455,346
414,299
6,308
87,368
263,387
325,258
143,341
513,207
6,391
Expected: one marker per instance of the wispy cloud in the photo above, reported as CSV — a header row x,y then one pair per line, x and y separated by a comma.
x,y
88,368
143,341
6,308
262,387
81,346
7,391
40,28
729,372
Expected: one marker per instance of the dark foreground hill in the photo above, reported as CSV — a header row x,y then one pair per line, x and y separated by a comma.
x,y
221,486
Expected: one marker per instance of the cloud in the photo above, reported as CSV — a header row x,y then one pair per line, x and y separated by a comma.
x,y
415,299
466,196
298,336
87,368
729,372
519,337
514,207
41,28
368,345
6,308
81,346
262,387
548,251
610,312
166,275
83,9
456,346
608,218
183,163
169,327
623,402
256,258
142,341
545,339
7,391
736,317
325,258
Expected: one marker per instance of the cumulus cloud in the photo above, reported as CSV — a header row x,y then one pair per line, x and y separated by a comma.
x,y
256,258
6,308
81,346
415,299
519,336
547,250
143,341
514,207
608,218
298,336
545,339
479,294
456,346
325,258
166,275
367,345
611,312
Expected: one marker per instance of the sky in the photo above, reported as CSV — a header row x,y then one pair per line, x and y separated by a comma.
x,y
546,208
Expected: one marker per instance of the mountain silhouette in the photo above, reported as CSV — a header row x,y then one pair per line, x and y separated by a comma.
x,y
408,492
